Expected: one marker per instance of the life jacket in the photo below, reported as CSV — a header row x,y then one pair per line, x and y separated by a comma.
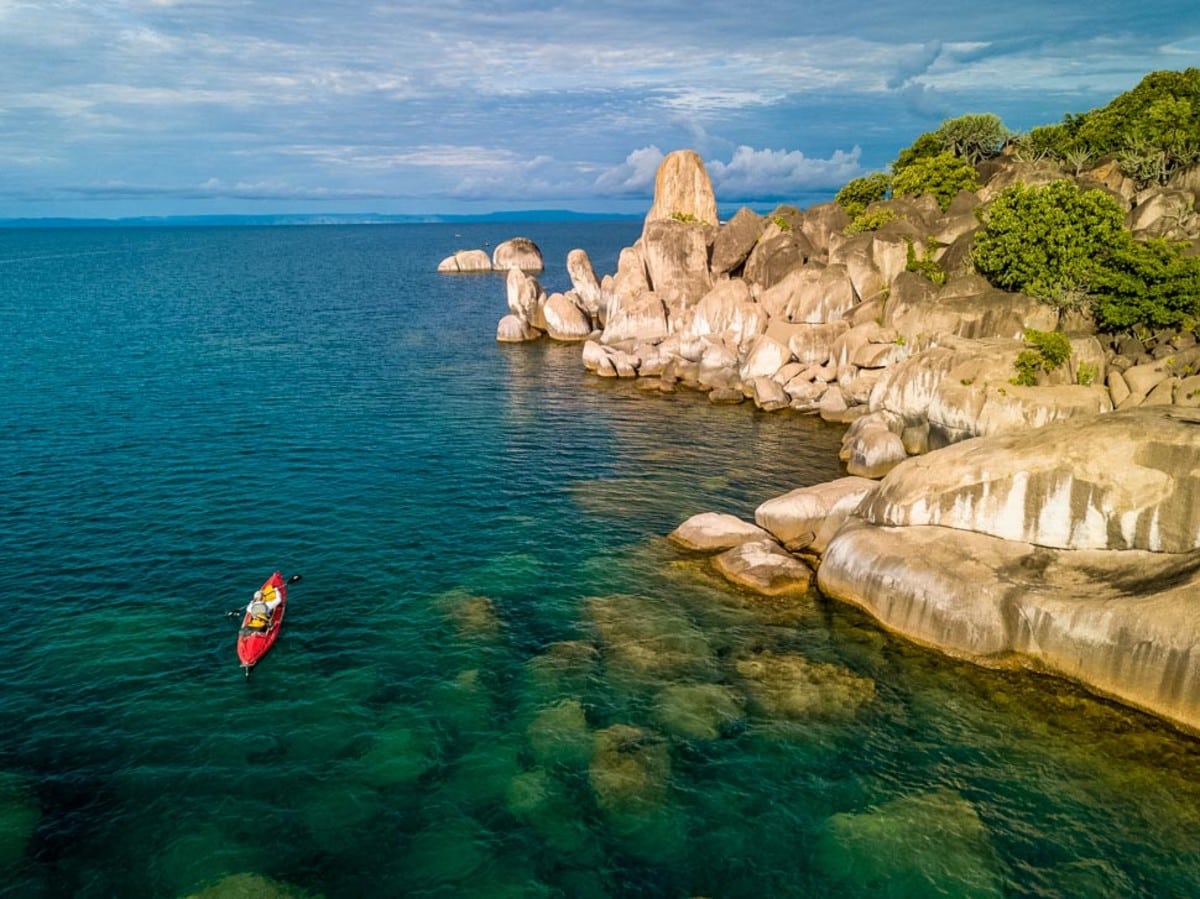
x,y
259,616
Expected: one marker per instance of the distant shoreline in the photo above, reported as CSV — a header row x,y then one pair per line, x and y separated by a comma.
x,y
312,219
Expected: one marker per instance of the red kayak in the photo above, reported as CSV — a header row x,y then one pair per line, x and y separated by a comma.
x,y
263,620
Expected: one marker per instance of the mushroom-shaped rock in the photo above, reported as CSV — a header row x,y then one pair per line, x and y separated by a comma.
x,y
518,252
715,532
763,566
466,261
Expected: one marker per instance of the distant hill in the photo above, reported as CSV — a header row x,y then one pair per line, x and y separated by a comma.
x,y
175,221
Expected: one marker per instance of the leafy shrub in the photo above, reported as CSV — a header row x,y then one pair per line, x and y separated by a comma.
x,y
1086,375
926,264
1151,284
941,176
684,217
1047,351
860,193
871,220
1045,241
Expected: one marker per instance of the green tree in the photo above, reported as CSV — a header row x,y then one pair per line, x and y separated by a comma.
x,y
973,137
923,147
1046,241
941,176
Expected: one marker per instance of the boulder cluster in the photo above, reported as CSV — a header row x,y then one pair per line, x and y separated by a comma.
x,y
517,252
1051,524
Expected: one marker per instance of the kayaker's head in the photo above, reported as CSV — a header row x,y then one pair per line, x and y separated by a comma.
x,y
257,594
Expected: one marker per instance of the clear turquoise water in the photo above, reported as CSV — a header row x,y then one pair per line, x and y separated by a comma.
x,y
497,678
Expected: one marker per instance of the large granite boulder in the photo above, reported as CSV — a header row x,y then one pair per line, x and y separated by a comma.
x,y
970,307
683,191
642,318
565,319
1074,548
517,252
464,261
676,256
734,241
715,532
777,253
583,282
726,309
811,294
1128,480
807,517
963,388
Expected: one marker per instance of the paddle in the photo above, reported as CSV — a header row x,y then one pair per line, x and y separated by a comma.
x,y
237,613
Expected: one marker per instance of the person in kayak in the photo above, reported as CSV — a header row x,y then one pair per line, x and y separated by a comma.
x,y
261,607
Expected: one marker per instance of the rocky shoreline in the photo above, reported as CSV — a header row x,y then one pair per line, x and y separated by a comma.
x,y
1053,525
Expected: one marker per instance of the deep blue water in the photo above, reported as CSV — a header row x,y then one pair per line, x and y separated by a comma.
x,y
496,678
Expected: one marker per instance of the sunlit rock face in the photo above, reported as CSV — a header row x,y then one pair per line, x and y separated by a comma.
x,y
1129,480
1074,548
518,252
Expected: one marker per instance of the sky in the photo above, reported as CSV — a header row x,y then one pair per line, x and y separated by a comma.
x,y
115,108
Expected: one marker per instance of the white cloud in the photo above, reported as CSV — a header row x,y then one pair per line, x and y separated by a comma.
x,y
634,176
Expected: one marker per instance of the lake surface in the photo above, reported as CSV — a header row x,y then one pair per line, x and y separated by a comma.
x,y
496,678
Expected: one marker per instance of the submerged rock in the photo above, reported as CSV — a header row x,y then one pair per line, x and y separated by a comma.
x,y
19,814
934,843
559,735
249,886
649,639
698,711
792,686
629,770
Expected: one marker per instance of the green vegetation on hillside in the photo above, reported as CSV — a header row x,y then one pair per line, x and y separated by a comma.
x,y
1065,246
1070,248
1152,131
